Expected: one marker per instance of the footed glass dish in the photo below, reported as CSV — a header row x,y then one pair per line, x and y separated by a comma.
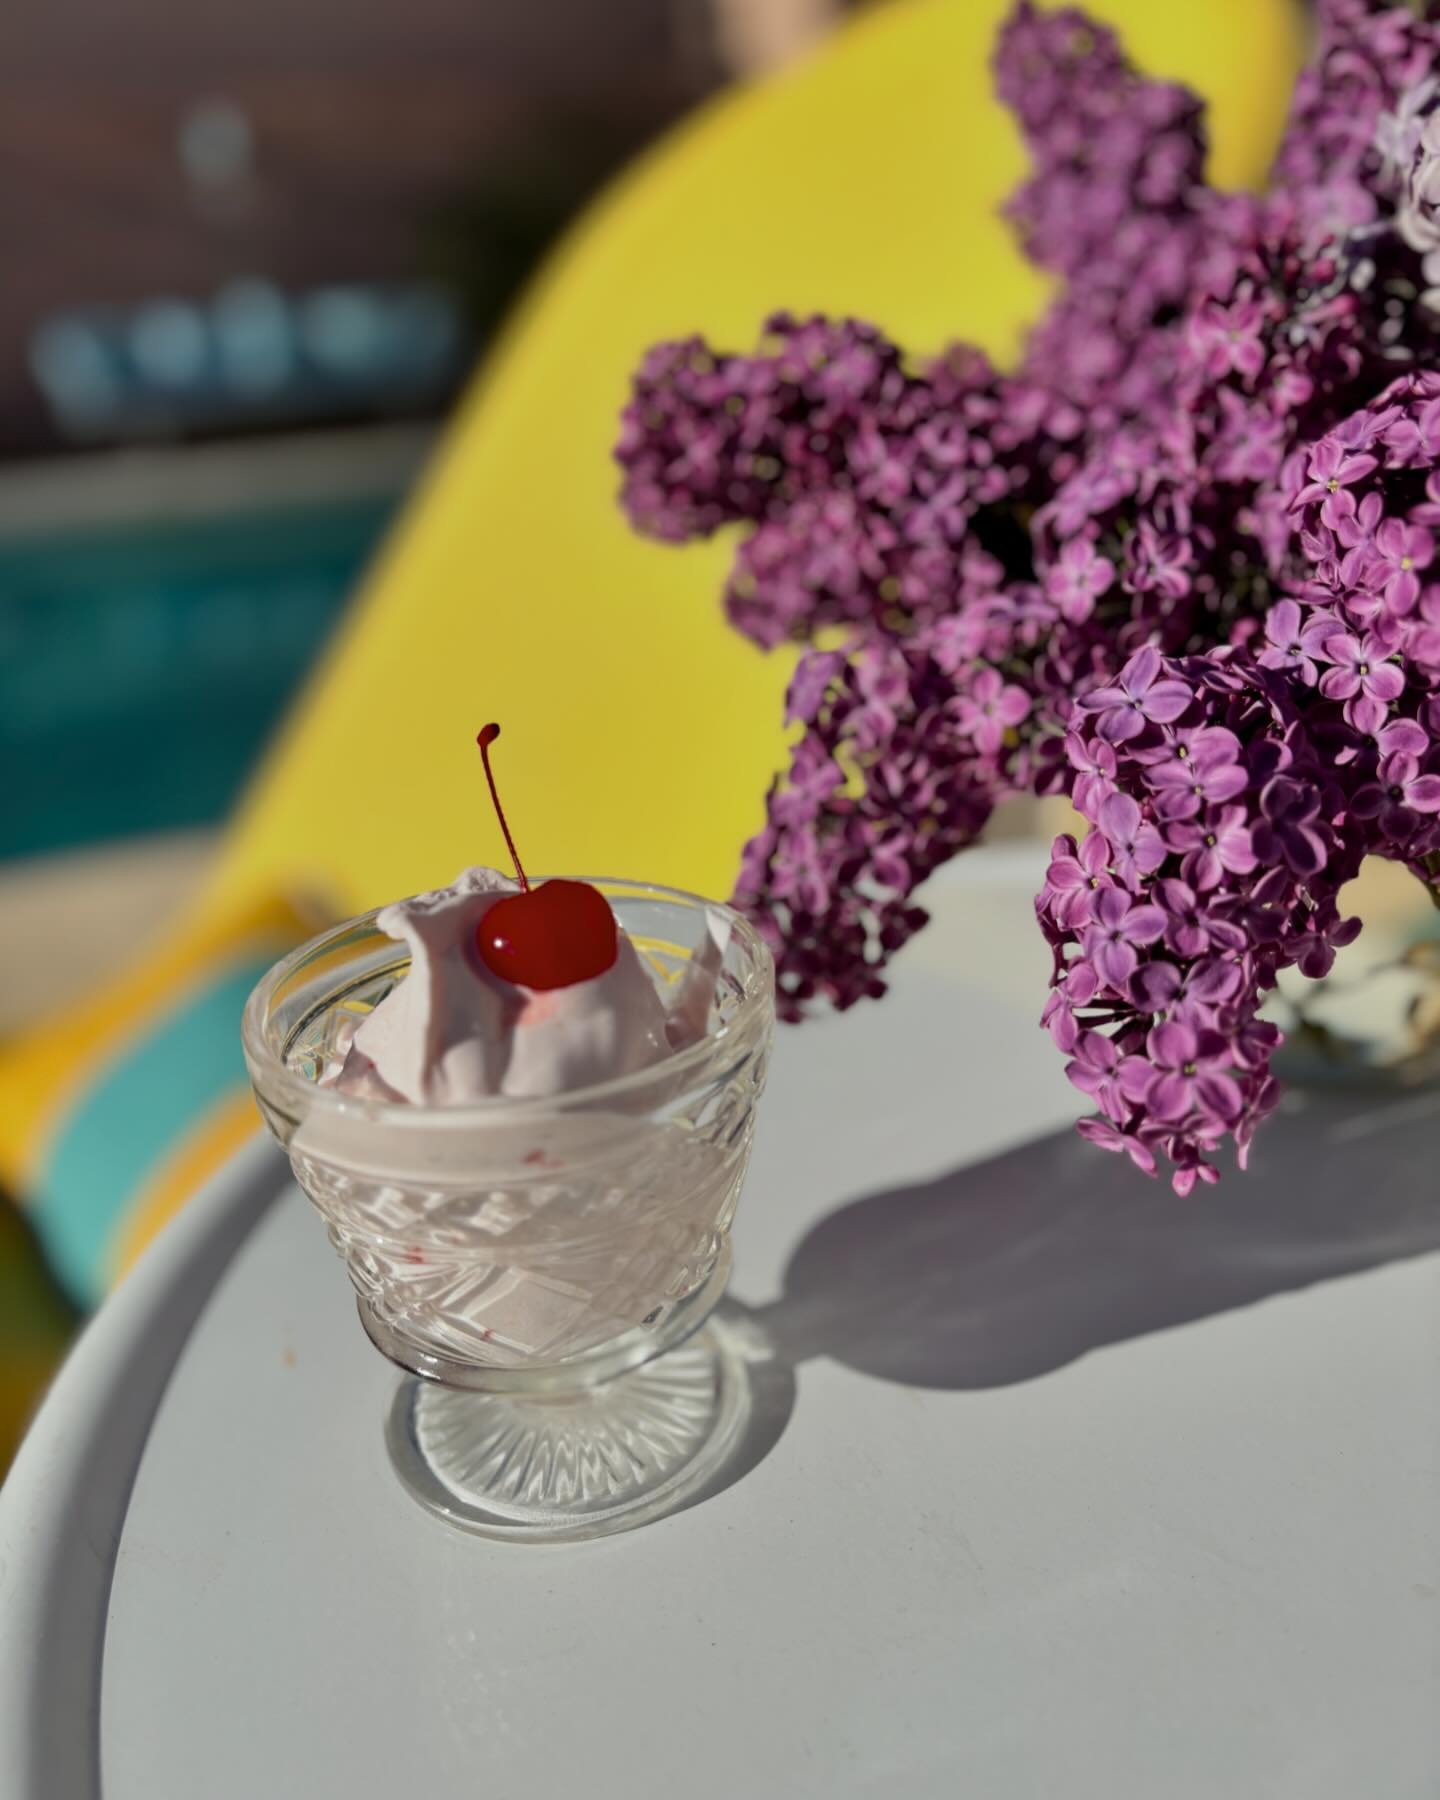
x,y
544,1270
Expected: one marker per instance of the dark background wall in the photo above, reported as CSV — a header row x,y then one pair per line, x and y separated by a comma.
x,y
165,148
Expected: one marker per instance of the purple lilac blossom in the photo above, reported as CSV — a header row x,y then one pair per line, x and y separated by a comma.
x,y
1178,566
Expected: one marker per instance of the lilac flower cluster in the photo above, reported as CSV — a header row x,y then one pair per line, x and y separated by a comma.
x,y
1217,848
861,482
831,874
1181,566
1116,206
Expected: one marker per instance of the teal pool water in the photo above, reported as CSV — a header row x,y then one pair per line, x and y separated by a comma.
x,y
142,666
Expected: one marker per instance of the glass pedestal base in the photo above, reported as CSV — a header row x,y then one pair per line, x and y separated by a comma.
x,y
552,1465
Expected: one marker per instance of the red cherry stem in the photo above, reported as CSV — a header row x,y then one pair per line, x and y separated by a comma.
x,y
485,739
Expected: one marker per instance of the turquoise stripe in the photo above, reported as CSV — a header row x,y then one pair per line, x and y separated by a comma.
x,y
133,1116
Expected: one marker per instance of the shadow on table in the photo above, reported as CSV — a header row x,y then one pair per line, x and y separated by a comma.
x,y
1007,1269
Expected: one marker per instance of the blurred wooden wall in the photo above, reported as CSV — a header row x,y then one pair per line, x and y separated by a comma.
x,y
165,147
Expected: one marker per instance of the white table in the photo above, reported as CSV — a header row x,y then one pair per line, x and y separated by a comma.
x,y
1058,1485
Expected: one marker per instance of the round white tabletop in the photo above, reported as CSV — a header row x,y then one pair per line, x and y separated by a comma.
x,y
1054,1484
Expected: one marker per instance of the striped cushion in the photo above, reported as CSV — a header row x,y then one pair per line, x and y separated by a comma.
x,y
112,1115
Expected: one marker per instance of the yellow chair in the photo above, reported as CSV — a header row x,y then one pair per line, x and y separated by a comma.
x,y
640,732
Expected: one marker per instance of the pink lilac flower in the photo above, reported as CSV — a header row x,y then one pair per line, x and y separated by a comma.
x,y
1219,844
1288,828
1190,927
1138,695
1097,1070
990,709
1077,872
1106,1135
1136,846
1118,927
1228,338
1285,646
1414,437
1402,551
1078,579
1176,565
1332,469
1401,791
1094,765
1362,677
1185,1069
1356,523
1193,989
1189,1173
1159,562
1203,772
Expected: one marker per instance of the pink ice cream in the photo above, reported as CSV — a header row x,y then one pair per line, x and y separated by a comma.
x,y
453,1031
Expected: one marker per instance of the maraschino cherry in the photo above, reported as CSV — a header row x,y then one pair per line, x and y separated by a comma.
x,y
549,936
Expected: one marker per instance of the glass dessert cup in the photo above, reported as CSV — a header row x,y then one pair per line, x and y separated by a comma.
x,y
543,1269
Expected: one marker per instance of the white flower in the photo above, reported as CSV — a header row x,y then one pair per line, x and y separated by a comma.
x,y
1397,135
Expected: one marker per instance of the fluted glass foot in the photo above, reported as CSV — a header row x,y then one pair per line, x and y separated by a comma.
x,y
552,1466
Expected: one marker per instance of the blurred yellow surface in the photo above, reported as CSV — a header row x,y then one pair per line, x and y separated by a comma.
x,y
640,731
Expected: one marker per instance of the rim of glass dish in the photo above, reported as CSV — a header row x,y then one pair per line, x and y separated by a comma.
x,y
276,1077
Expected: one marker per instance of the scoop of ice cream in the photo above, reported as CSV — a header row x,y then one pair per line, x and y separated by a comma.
x,y
568,1037
452,1030
440,1035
